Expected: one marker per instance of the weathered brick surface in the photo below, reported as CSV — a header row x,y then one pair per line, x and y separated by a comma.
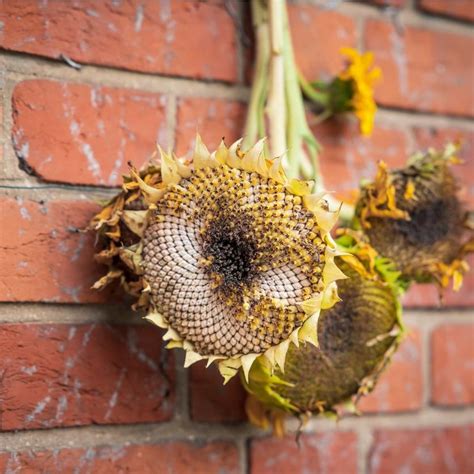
x,y
345,153
435,450
211,401
79,132
309,24
173,457
423,69
66,375
322,452
213,119
44,258
452,369
185,38
437,137
400,387
461,9
83,134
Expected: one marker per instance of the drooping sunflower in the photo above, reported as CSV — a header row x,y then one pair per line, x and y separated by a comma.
x,y
414,216
356,338
350,91
229,256
362,76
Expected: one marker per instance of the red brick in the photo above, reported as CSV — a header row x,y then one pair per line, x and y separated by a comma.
x,y
452,369
43,258
400,387
185,38
81,134
68,375
322,452
434,137
213,119
213,402
436,450
424,296
177,457
461,9
423,69
347,157
309,26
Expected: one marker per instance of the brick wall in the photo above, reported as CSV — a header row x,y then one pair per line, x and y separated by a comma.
x,y
83,384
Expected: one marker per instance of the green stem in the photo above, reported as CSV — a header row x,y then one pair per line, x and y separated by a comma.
x,y
312,93
255,121
302,145
276,107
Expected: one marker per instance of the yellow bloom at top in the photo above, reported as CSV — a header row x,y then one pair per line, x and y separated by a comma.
x,y
363,77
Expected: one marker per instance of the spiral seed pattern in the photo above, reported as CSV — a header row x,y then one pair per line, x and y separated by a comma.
x,y
229,255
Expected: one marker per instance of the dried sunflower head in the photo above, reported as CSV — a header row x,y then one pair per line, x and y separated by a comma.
x,y
356,338
224,252
413,216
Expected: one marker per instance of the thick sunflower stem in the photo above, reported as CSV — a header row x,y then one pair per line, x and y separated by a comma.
x,y
255,121
276,106
302,145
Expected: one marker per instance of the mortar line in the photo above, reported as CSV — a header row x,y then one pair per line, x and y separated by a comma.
x,y
409,17
171,118
181,388
242,447
21,67
152,433
65,313
364,443
116,435
426,365
45,313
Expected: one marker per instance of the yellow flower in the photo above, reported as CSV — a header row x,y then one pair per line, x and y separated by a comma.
x,y
225,252
363,77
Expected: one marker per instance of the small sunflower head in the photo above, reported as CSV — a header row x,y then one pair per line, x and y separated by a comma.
x,y
356,338
414,217
229,256
361,77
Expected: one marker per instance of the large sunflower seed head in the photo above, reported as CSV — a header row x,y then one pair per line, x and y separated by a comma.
x,y
356,337
414,216
232,258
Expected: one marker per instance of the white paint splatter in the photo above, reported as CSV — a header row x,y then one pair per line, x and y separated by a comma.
x,y
94,165
134,349
25,150
165,11
25,214
138,18
61,408
71,333
114,397
29,370
38,409
399,56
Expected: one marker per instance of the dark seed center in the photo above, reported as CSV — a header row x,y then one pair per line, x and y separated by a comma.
x,y
232,252
430,223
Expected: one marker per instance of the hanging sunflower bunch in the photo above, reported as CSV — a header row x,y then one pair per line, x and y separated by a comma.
x,y
234,260
231,253
413,215
353,343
